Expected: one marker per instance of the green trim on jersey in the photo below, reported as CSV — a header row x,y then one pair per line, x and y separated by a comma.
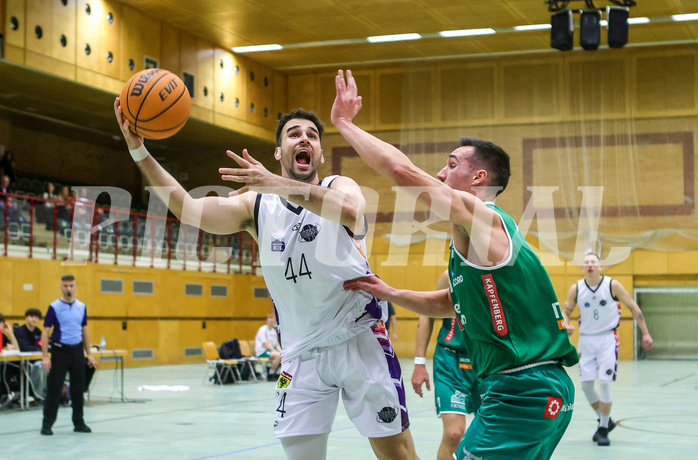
x,y
510,313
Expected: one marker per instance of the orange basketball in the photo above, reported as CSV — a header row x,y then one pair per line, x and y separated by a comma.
x,y
156,103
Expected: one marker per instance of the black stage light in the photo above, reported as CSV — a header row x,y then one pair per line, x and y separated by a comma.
x,y
590,29
617,26
561,32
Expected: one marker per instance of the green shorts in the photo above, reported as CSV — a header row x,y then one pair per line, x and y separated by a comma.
x,y
266,354
523,415
455,384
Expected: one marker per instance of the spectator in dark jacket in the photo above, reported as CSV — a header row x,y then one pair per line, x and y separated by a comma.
x,y
29,335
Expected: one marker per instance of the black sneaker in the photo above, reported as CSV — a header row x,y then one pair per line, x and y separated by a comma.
x,y
611,427
46,432
82,429
602,438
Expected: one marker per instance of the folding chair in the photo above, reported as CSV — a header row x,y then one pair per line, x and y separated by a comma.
x,y
265,362
213,360
248,357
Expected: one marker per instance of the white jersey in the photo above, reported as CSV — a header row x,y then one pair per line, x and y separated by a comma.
x,y
305,260
599,312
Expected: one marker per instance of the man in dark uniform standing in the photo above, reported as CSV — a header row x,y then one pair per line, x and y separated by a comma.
x,y
70,342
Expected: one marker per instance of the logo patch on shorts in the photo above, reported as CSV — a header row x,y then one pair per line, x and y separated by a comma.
x,y
284,380
609,371
386,415
552,409
458,400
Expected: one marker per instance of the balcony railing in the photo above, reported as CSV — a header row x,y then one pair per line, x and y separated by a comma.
x,y
78,231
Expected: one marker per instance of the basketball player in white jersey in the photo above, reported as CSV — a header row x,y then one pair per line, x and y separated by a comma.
x,y
599,317
310,236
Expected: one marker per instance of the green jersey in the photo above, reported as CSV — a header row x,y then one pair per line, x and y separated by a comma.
x,y
450,336
509,313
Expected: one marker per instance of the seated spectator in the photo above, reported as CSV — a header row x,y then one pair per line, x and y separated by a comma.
x,y
29,339
44,212
9,342
64,209
266,345
7,203
29,335
87,215
9,372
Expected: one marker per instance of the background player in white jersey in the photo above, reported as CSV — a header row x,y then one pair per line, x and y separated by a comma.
x,y
310,236
599,317
455,384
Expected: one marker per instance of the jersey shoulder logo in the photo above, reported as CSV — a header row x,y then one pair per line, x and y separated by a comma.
x,y
308,233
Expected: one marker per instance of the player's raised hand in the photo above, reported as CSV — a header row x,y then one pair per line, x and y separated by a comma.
x,y
132,141
251,172
347,102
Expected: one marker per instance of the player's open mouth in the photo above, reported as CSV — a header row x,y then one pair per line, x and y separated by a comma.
x,y
303,157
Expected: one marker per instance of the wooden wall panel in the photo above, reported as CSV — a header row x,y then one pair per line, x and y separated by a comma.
x,y
7,290
26,292
405,97
190,334
260,94
111,304
2,17
64,23
467,93
665,83
141,37
531,89
145,334
301,92
280,106
39,16
197,57
103,37
229,82
15,38
169,348
170,56
599,87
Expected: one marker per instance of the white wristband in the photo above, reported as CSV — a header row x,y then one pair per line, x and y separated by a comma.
x,y
420,360
139,154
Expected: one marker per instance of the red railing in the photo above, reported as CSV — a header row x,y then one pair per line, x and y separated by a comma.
x,y
103,235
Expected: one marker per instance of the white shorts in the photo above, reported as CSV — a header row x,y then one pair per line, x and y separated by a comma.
x,y
365,370
598,356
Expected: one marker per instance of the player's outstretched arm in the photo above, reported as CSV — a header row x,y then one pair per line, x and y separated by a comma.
x,y
570,303
222,215
460,208
436,304
626,299
342,202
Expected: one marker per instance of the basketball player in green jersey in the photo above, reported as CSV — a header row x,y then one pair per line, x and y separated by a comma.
x,y
501,294
455,385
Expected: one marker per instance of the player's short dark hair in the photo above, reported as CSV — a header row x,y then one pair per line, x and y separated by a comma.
x,y
67,277
33,312
299,113
2,318
491,157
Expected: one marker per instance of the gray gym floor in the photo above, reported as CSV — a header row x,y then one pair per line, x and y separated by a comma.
x,y
655,403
